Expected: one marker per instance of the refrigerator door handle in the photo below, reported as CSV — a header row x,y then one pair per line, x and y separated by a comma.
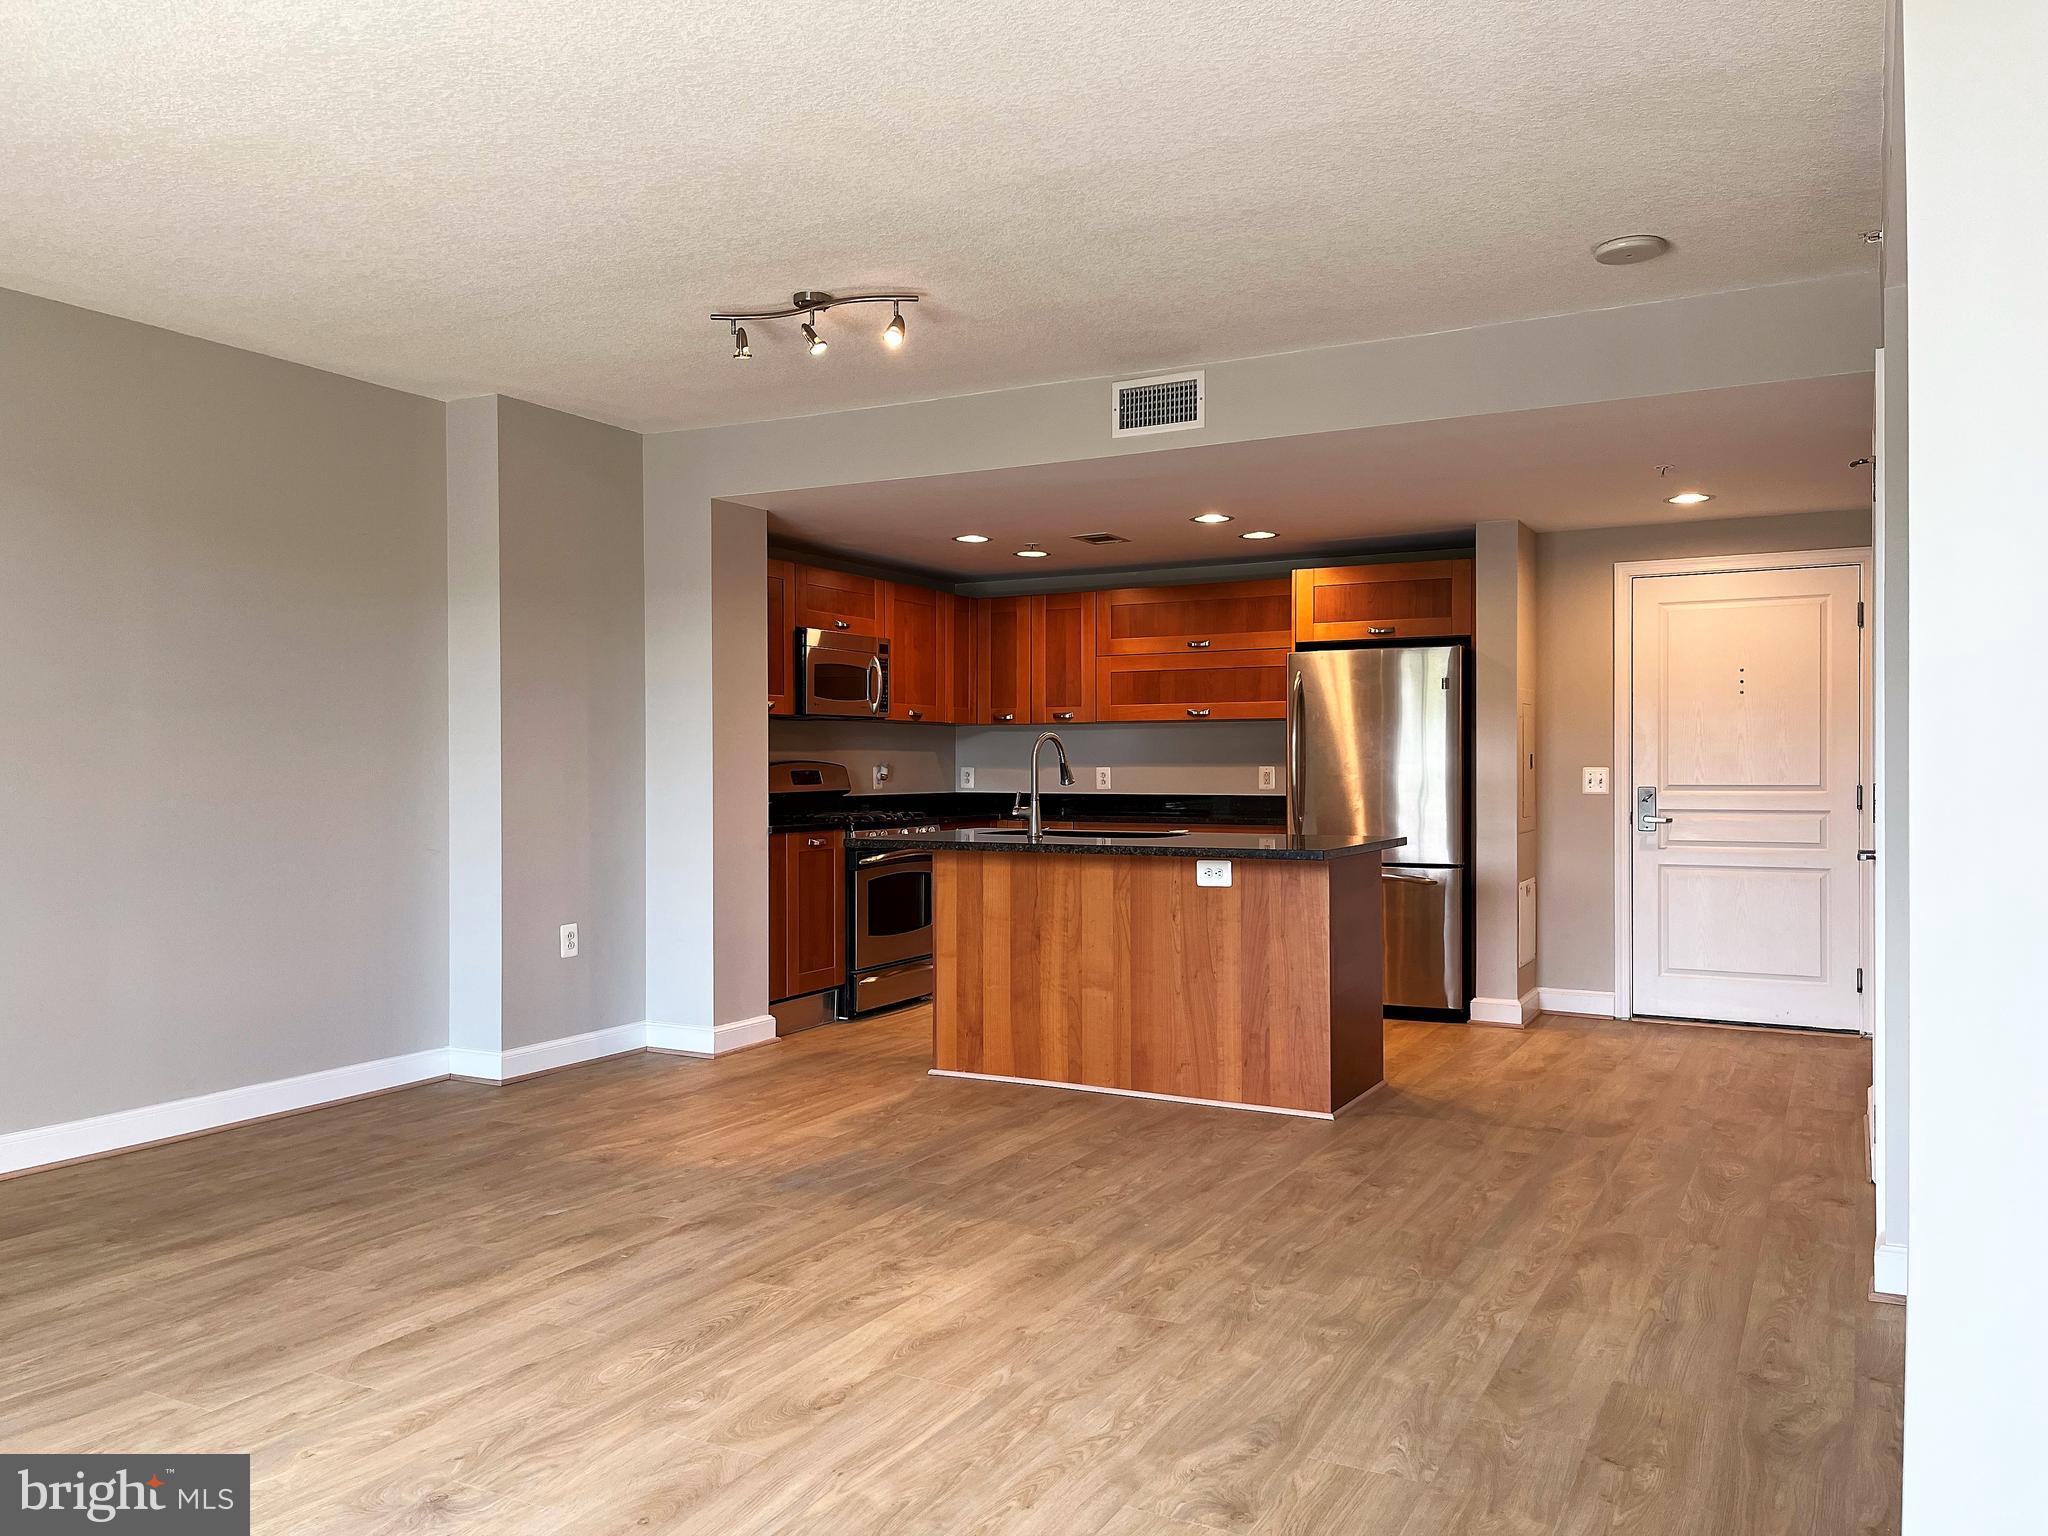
x,y
1402,875
1294,749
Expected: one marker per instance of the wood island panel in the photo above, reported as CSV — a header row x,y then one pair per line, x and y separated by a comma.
x,y
1120,972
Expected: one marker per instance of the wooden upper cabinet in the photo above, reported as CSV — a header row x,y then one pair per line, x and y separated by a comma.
x,y
1218,616
814,911
919,680
1397,600
1238,685
961,649
781,639
840,600
1063,657
1002,669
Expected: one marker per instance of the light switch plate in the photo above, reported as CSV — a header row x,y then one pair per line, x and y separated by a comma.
x,y
568,941
1596,780
1269,777
1212,871
967,778
1102,778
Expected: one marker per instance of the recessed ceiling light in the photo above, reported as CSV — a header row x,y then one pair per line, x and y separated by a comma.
x,y
1031,552
970,538
1627,250
1210,517
1261,534
1688,498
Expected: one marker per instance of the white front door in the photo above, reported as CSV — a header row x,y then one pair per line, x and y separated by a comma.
x,y
1747,703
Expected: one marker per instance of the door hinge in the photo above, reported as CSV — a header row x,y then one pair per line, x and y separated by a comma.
x,y
1859,797
1859,978
1859,613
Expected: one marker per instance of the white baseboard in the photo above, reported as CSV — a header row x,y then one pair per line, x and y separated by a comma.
x,y
1514,1012
1888,1270
1592,1005
47,1144
711,1039
523,1061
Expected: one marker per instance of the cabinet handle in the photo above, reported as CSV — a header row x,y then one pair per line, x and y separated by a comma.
x,y
913,714
1006,717
841,624
1379,629
1198,645
1198,714
1063,714
814,842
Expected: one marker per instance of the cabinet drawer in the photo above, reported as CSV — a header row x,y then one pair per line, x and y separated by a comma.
x,y
1218,616
1245,685
1396,601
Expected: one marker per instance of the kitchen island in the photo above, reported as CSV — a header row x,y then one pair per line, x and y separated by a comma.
x,y
1099,962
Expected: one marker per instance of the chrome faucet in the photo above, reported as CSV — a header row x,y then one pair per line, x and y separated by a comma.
x,y
1066,777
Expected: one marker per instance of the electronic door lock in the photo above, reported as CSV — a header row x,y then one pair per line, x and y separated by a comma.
x,y
1647,819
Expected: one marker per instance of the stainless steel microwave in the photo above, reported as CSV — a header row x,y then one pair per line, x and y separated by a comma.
x,y
841,674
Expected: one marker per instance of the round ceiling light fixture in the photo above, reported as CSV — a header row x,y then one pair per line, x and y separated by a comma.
x,y
1210,517
1627,250
1259,534
1688,498
970,538
1032,552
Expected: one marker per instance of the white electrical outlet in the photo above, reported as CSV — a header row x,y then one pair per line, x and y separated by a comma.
x,y
1212,871
1596,780
881,774
1269,777
1102,778
568,941
967,778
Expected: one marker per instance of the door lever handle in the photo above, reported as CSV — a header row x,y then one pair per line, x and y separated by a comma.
x,y
1866,855
1654,821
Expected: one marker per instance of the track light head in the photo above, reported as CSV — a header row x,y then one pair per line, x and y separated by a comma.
x,y
892,334
739,341
812,339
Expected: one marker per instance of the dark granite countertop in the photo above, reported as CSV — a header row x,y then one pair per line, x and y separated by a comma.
x,y
1189,845
808,813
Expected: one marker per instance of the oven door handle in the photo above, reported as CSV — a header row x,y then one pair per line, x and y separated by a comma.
x,y
895,858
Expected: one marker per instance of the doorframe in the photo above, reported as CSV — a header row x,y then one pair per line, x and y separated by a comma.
x,y
1622,827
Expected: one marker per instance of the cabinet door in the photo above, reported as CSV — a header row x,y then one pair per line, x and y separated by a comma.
x,y
816,905
1003,664
961,651
1063,657
781,640
840,600
778,915
1396,601
1217,616
1242,685
917,654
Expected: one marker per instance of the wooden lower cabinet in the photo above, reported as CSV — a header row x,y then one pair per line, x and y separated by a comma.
x,y
1239,685
1396,600
806,913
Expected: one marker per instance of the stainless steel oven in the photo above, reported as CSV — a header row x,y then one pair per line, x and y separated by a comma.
x,y
891,922
841,674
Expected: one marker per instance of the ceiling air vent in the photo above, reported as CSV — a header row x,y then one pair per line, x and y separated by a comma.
x,y
1169,403
1100,538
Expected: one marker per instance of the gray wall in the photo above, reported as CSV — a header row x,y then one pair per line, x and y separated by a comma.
x,y
919,757
571,644
1575,712
222,778
1217,757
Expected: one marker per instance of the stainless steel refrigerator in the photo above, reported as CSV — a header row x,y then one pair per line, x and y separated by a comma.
x,y
1376,745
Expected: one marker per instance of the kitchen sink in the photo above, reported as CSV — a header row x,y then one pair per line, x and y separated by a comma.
x,y
1095,836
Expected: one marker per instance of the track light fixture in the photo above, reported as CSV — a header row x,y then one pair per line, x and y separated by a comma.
x,y
810,304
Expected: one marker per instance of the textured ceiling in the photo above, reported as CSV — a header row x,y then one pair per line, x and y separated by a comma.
x,y
545,199
1759,450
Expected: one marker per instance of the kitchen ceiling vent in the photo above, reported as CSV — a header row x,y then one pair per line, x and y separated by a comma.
x,y
1168,403
1100,538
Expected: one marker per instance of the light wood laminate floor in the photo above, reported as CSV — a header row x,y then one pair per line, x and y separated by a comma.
x,y
1587,1277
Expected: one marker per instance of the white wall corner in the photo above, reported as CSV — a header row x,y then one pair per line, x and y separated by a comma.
x,y
46,1145
711,1039
1592,1005
1513,1012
